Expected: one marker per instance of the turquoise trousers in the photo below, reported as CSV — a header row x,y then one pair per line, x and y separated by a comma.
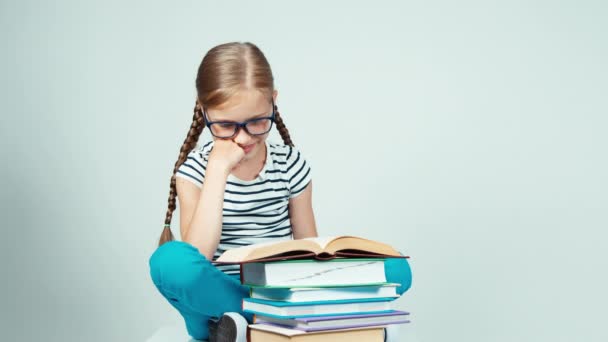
x,y
199,291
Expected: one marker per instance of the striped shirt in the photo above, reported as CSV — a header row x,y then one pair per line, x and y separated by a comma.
x,y
254,211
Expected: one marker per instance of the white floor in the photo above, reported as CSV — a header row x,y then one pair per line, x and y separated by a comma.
x,y
172,333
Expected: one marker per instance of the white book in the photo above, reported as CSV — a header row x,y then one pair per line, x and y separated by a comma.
x,y
314,273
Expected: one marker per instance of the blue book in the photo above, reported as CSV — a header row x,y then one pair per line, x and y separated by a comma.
x,y
316,308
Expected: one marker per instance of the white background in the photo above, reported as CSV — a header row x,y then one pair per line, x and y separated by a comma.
x,y
470,135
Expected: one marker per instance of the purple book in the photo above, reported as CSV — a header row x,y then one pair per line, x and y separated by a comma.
x,y
319,323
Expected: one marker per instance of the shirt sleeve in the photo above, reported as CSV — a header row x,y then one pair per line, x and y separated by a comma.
x,y
193,169
298,172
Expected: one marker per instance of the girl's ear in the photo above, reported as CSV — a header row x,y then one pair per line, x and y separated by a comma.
x,y
274,95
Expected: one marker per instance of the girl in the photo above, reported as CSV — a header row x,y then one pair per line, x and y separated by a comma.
x,y
238,189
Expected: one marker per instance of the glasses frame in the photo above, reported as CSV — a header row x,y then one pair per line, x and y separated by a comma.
x,y
240,125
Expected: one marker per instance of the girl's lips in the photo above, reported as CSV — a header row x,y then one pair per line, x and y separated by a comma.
x,y
248,148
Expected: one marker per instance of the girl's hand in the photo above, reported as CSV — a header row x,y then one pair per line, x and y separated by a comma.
x,y
225,154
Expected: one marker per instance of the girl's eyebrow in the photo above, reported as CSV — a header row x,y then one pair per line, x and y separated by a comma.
x,y
253,117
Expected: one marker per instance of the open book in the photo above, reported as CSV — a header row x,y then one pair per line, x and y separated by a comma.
x,y
321,248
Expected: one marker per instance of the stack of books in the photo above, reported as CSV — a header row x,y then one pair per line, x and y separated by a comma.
x,y
318,289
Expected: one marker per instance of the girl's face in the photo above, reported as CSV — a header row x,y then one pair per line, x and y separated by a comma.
x,y
245,105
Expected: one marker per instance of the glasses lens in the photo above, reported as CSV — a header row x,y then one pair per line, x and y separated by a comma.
x,y
223,129
259,126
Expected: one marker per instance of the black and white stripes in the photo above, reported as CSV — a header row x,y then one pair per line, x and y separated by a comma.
x,y
254,211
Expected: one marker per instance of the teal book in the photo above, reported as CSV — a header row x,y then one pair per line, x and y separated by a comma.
x,y
315,308
308,294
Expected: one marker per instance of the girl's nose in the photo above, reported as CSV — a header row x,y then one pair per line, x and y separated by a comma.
x,y
242,137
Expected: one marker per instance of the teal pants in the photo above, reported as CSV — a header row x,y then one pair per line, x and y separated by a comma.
x,y
199,291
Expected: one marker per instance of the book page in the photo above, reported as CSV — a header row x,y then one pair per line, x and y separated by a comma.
x,y
241,253
268,249
344,243
317,245
322,241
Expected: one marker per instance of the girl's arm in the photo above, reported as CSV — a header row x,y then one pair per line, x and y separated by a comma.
x,y
301,214
201,211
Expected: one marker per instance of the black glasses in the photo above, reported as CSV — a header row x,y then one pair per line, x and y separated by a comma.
x,y
228,129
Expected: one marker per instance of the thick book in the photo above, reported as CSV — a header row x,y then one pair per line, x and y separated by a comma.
x,y
307,294
322,248
316,308
314,273
337,322
269,333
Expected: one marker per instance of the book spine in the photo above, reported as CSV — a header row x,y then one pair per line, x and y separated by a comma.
x,y
324,256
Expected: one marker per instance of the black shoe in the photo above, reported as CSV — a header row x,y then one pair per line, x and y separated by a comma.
x,y
231,327
212,324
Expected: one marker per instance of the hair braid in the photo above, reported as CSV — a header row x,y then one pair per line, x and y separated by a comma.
x,y
281,128
196,128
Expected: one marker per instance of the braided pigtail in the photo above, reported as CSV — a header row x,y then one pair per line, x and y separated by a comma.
x,y
198,123
281,128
